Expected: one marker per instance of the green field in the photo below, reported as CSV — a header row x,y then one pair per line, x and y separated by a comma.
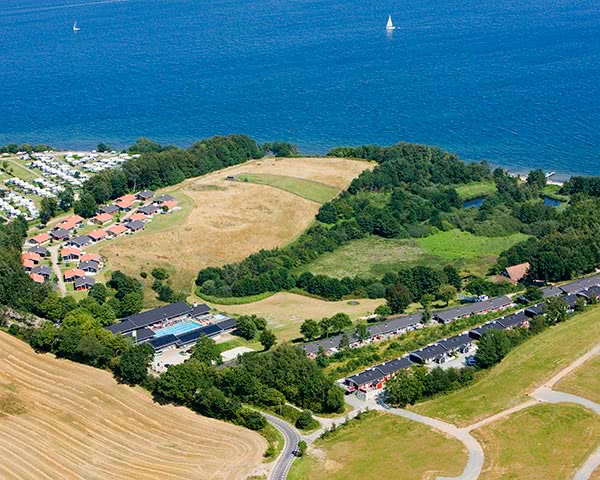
x,y
552,190
544,442
475,190
20,170
524,369
381,446
309,189
375,256
585,381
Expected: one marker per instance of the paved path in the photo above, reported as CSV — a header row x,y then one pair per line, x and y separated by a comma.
x,y
291,438
56,269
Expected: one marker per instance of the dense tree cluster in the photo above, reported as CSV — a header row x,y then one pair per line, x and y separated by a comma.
x,y
14,148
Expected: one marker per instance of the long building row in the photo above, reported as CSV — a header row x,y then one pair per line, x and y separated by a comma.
x,y
373,379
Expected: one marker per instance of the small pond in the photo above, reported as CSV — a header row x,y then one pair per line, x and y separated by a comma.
x,y
551,202
473,203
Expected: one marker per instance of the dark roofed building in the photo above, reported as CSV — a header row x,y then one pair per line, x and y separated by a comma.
x,y
393,366
227,325
477,308
59,234
150,317
142,335
164,198
430,353
159,343
90,266
84,283
478,332
571,301
535,310
591,294
458,343
80,241
42,270
582,284
41,251
148,209
110,209
135,225
551,291
199,310
145,195
519,319
364,379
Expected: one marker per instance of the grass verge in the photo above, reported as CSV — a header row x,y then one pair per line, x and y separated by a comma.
x,y
309,189
585,381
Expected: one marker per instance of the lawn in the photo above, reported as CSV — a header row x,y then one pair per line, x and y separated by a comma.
x,y
381,446
475,190
545,442
285,312
585,381
523,370
21,171
374,256
311,190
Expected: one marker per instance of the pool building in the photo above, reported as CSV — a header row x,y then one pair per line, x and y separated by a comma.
x,y
174,325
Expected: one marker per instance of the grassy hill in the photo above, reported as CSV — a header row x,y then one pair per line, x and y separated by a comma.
x,y
585,381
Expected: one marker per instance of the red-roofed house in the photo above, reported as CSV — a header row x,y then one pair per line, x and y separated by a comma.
x,y
39,239
37,278
91,257
74,221
125,202
102,218
70,253
73,273
97,235
28,264
116,230
169,205
34,257
137,216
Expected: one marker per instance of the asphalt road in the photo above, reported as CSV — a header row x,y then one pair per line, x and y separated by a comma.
x,y
291,437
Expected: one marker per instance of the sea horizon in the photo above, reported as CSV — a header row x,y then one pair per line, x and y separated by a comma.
x,y
512,84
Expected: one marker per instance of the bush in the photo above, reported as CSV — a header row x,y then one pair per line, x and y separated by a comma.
x,y
305,420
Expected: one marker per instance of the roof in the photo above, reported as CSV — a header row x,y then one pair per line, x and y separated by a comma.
x,y
80,241
201,309
117,229
42,270
71,222
59,233
74,273
35,257
479,331
37,278
121,327
40,238
517,272
89,265
472,308
165,198
394,366
137,216
143,334
148,209
42,251
125,201
28,263
326,343
169,204
103,217
110,209
69,251
456,342
227,324
194,335
84,282
514,320
97,234
91,257
366,377
135,225
393,324
163,342
159,314
427,353
571,300
146,194
582,284
551,291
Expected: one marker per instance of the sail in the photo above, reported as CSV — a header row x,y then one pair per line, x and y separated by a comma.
x,y
390,24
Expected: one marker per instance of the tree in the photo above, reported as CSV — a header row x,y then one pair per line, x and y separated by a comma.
x,y
362,331
536,178
132,366
453,276
533,294
48,209
447,293
85,206
344,341
304,420
159,273
325,326
493,347
403,389
267,339
66,198
555,309
310,329
426,301
302,446
580,304
398,298
103,147
98,292
251,419
206,350
340,321
246,328
383,310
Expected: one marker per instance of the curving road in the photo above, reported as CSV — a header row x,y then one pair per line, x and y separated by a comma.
x,y
291,438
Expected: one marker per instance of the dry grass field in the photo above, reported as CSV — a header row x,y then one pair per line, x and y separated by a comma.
x,y
285,312
223,221
585,381
543,442
62,420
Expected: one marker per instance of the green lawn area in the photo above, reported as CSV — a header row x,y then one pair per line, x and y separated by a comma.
x,y
374,256
523,370
309,189
585,381
475,190
381,446
20,170
552,192
545,441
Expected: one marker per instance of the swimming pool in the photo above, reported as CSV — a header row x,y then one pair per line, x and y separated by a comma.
x,y
178,328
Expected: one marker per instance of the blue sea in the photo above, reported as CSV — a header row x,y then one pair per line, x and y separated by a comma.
x,y
515,82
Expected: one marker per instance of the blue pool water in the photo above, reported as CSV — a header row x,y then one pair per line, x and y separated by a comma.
x,y
178,328
510,81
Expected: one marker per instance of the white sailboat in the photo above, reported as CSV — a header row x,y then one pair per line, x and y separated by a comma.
x,y
75,27
390,24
